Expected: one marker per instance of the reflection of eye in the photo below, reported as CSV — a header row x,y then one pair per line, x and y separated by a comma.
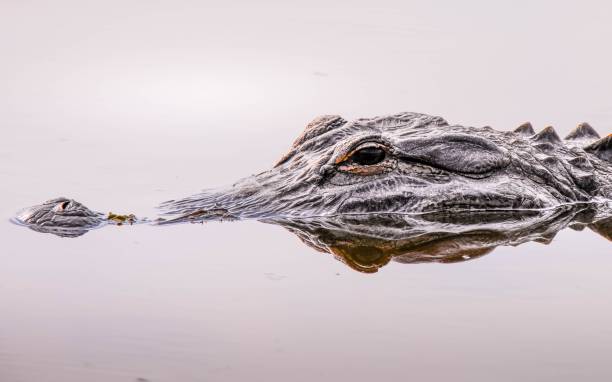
x,y
368,156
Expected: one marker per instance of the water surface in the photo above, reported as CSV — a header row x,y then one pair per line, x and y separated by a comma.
x,y
126,104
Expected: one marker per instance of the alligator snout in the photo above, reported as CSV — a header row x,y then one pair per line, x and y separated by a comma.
x,y
60,212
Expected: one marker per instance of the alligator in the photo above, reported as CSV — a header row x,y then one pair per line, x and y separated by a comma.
x,y
405,164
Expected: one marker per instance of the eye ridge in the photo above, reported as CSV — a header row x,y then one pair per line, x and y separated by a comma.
x,y
369,156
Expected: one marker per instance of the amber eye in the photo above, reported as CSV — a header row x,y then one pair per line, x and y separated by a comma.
x,y
368,156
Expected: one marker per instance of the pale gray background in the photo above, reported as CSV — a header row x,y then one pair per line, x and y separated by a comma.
x,y
123,104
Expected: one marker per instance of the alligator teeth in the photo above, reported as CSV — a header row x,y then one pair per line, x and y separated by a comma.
x,y
525,129
601,148
582,131
548,134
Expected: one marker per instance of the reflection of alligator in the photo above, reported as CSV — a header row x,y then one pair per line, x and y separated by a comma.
x,y
368,242
406,163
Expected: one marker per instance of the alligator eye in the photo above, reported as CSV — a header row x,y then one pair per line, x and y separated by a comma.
x,y
368,156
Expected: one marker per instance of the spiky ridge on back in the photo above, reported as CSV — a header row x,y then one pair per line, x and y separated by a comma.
x,y
602,148
582,136
588,155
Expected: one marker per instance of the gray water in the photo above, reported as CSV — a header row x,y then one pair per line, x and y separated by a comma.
x,y
122,105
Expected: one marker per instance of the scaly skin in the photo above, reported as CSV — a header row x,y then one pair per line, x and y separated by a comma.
x,y
406,163
428,166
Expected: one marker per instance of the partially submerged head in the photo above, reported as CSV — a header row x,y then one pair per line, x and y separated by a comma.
x,y
404,163
60,216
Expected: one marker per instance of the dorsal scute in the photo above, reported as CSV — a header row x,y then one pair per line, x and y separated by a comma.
x,y
548,134
525,129
601,148
583,131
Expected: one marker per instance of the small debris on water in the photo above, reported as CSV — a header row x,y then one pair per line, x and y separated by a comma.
x,y
121,219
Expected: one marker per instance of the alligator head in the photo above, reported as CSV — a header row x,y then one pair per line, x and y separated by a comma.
x,y
413,163
60,216
406,163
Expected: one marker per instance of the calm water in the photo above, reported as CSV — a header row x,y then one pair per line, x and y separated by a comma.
x,y
126,104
